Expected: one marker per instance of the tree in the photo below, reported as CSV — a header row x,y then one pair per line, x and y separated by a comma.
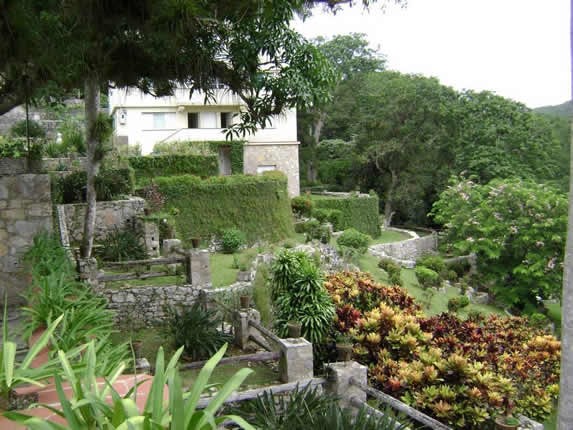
x,y
351,57
404,130
157,46
516,227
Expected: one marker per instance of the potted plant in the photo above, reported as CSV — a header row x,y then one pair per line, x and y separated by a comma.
x,y
507,421
344,346
294,329
245,302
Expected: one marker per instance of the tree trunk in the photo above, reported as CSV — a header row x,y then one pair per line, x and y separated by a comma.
x,y
311,173
565,411
388,213
91,99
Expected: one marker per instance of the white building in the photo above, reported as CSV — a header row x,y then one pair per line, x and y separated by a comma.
x,y
141,119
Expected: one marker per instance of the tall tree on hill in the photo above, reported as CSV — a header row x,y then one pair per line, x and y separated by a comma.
x,y
351,57
565,412
159,45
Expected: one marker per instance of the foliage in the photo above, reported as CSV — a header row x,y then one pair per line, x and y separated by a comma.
x,y
90,407
73,139
257,205
299,295
232,239
302,205
517,229
359,212
12,148
308,407
123,245
151,166
457,303
457,371
315,230
320,214
35,129
54,291
110,184
352,238
262,294
427,277
153,197
13,374
196,329
432,261
393,270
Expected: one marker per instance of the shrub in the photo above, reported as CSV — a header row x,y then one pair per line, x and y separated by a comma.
x,y
196,329
232,239
122,245
153,197
35,129
335,218
315,230
320,214
360,213
12,148
110,184
73,139
301,205
434,262
457,303
299,295
393,269
352,238
427,277
257,205
262,295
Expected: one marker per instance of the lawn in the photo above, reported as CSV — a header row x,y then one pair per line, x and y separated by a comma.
x,y
389,236
439,301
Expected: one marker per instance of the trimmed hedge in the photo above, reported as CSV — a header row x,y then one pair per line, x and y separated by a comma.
x,y
360,213
148,167
110,184
257,205
236,154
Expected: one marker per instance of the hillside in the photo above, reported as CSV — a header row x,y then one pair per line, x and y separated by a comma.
x,y
564,109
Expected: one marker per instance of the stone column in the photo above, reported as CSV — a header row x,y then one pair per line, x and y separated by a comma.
x,y
241,325
338,381
200,268
151,235
296,362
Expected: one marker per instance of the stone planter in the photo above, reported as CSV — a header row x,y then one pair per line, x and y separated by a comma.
x,y
344,351
501,425
294,329
245,302
244,276
13,166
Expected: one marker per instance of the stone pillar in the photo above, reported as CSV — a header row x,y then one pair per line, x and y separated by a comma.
x,y
151,236
296,362
338,381
241,325
169,245
200,268
88,271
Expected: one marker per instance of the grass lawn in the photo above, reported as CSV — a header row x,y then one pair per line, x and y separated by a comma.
x,y
389,236
223,267
439,302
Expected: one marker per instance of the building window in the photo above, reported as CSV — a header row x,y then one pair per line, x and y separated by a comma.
x,y
159,120
193,120
226,119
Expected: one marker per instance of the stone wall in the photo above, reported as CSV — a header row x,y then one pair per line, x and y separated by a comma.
x,y
117,213
25,211
409,249
259,157
68,163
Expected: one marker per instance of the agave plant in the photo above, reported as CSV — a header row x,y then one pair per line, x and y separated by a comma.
x,y
89,407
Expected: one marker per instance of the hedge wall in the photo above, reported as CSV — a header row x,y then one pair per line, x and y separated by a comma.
x,y
360,213
257,205
148,167
236,153
110,184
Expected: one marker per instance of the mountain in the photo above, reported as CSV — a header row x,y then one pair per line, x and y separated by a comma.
x,y
564,109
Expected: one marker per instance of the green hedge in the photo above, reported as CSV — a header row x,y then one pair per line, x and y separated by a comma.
x,y
360,213
149,167
110,184
256,205
236,154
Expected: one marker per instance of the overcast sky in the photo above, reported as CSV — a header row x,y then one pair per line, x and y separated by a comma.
x,y
516,48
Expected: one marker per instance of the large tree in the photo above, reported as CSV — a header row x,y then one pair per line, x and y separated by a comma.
x,y
351,57
157,46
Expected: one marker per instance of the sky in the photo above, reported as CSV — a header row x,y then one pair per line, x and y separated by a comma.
x,y
518,49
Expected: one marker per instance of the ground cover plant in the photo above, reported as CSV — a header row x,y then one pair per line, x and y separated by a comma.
x,y
459,371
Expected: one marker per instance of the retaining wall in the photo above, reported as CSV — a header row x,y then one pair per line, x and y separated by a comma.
x,y
409,249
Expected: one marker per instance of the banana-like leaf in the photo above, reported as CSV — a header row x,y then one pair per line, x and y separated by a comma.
x,y
9,361
41,343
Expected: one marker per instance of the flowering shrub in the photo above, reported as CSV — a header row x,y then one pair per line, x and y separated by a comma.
x,y
517,229
459,371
